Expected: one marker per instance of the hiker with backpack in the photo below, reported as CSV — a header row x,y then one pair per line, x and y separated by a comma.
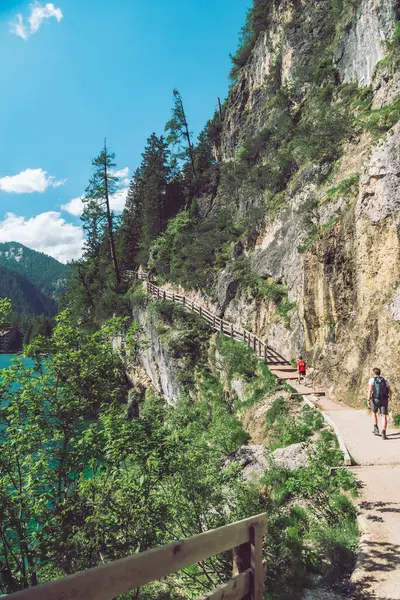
x,y
302,370
379,394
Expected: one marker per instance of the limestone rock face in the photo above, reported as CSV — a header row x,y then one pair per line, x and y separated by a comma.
x,y
158,363
363,46
346,289
380,182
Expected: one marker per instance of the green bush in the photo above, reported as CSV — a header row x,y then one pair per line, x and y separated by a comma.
x,y
237,358
285,429
263,385
186,253
318,538
137,295
380,120
347,187
396,420
256,22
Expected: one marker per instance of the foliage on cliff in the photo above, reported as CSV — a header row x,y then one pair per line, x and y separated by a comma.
x,y
83,484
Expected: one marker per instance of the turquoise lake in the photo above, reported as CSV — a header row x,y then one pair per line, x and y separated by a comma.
x,y
5,360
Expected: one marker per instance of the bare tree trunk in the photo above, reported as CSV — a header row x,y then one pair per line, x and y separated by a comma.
x,y
110,223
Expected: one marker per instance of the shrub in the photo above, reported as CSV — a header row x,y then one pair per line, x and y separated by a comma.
x,y
380,120
347,187
263,385
256,22
396,420
137,295
285,429
187,251
237,358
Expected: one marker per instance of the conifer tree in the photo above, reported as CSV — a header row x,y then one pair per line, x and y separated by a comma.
x,y
97,216
153,197
130,230
178,132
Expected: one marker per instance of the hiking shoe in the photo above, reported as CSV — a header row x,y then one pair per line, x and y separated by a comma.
x,y
384,434
375,430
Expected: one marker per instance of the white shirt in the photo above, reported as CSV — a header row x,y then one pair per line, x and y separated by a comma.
x,y
371,380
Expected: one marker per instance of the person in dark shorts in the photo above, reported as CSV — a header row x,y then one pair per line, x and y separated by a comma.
x,y
379,394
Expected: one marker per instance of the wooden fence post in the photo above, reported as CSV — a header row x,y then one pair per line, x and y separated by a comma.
x,y
221,326
163,294
265,352
213,321
158,292
200,311
257,567
242,561
254,343
232,334
183,301
173,297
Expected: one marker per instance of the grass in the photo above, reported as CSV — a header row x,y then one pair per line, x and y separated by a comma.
x,y
285,429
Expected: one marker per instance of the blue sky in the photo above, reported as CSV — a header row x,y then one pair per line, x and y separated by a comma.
x,y
75,71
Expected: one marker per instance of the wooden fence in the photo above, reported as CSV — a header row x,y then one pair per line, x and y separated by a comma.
x,y
242,335
107,581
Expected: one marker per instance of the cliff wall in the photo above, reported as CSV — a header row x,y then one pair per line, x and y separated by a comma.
x,y
342,273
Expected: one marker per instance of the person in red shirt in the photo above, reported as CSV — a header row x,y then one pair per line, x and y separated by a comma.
x,y
302,370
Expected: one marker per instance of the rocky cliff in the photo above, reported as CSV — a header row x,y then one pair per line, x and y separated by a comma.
x,y
330,231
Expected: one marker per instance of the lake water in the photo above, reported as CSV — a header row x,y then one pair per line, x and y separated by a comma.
x,y
5,360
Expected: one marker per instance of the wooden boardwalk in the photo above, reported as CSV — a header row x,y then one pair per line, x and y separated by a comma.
x,y
271,356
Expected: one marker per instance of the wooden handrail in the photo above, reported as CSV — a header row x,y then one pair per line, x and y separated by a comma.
x,y
262,349
121,576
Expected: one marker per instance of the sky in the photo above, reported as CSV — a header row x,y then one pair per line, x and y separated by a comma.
x,y
77,71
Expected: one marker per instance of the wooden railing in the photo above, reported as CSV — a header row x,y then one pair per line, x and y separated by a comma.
x,y
122,576
242,335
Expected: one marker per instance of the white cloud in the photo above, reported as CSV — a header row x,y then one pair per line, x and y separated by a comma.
x,y
28,181
37,15
47,232
122,173
19,28
74,207
117,202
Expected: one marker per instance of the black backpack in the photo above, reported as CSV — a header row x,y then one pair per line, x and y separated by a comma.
x,y
380,392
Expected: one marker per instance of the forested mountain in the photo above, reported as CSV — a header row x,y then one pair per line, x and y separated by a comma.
x,y
25,297
43,271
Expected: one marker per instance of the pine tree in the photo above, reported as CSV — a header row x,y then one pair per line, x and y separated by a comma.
x,y
155,176
97,216
179,133
131,224
154,196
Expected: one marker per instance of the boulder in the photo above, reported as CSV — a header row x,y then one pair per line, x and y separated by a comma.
x,y
292,457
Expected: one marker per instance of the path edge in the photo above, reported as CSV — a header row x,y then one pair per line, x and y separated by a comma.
x,y
346,455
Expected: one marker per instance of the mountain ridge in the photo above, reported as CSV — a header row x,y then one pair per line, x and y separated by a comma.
x,y
46,273
25,297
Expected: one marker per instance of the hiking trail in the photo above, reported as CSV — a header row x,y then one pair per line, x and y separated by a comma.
x,y
374,461
377,469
